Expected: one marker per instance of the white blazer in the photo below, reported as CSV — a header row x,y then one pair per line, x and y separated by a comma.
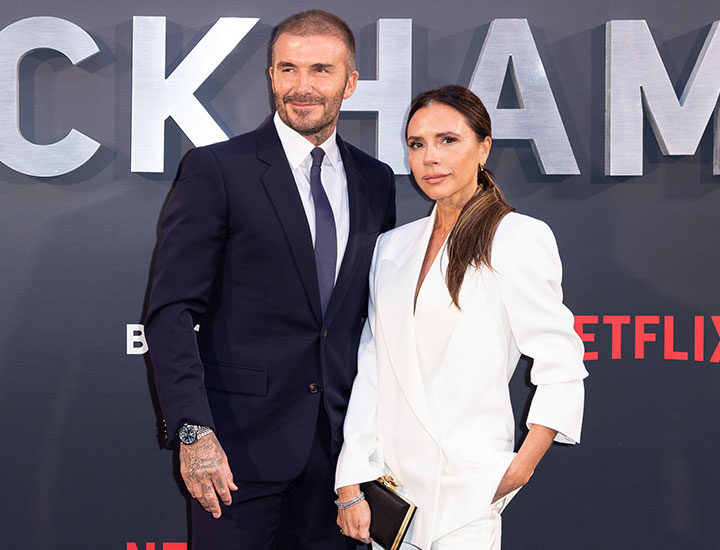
x,y
446,430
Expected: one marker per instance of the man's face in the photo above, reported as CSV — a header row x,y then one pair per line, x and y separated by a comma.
x,y
310,78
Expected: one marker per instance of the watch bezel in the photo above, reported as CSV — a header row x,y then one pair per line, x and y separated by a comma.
x,y
187,434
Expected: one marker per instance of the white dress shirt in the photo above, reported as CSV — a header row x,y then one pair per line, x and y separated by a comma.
x,y
332,175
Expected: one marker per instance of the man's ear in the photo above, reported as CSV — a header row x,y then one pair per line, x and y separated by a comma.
x,y
351,84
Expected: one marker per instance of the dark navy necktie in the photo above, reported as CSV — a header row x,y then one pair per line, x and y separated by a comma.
x,y
325,234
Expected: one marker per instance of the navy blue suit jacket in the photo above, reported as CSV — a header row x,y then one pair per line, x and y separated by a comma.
x,y
235,257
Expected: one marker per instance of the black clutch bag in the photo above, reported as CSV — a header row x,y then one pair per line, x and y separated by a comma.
x,y
390,513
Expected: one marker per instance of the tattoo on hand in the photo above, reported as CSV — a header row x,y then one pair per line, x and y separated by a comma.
x,y
202,460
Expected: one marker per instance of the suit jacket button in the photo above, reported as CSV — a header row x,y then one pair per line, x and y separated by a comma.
x,y
313,388
324,334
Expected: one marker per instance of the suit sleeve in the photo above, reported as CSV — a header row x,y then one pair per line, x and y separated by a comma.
x,y
390,214
543,329
189,246
360,459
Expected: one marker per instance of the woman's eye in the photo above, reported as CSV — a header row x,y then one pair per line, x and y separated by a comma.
x,y
414,145
448,139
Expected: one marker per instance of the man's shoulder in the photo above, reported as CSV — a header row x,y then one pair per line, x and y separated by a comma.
x,y
366,162
243,145
237,145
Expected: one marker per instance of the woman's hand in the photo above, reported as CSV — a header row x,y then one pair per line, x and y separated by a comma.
x,y
536,443
515,477
354,521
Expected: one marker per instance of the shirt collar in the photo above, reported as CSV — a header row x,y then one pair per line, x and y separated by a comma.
x,y
297,148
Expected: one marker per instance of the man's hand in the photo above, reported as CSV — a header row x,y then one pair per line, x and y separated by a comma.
x,y
354,521
205,471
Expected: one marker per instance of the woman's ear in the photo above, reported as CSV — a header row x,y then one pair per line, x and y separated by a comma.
x,y
485,146
488,142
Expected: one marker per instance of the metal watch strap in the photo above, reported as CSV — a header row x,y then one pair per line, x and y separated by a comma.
x,y
202,431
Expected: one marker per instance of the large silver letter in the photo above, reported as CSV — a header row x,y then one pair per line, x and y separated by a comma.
x,y
635,72
391,93
155,98
538,118
136,335
16,41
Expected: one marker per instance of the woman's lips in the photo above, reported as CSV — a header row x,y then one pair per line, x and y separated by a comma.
x,y
434,178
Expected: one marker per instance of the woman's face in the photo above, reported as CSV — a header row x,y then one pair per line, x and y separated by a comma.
x,y
445,153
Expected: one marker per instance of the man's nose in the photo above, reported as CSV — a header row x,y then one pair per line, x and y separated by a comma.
x,y
303,83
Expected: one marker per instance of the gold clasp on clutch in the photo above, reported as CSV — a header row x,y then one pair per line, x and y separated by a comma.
x,y
389,482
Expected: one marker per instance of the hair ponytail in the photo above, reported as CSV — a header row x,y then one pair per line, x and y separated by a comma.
x,y
470,241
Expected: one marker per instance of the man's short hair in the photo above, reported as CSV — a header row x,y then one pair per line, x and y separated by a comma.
x,y
313,23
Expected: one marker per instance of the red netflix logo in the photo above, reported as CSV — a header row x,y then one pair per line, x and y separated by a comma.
x,y
645,329
151,546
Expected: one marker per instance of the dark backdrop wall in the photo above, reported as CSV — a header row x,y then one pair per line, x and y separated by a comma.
x,y
81,458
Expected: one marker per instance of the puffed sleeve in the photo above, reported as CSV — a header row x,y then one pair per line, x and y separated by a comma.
x,y
543,329
360,459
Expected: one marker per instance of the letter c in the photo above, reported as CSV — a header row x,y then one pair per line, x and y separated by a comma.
x,y
16,41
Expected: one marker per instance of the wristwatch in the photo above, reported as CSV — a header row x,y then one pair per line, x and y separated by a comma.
x,y
190,433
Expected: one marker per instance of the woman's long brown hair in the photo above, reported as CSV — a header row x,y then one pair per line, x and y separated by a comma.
x,y
470,241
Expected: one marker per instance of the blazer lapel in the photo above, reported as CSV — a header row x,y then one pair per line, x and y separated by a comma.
x,y
280,186
358,204
399,279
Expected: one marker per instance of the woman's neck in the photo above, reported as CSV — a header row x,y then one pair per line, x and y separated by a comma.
x,y
447,213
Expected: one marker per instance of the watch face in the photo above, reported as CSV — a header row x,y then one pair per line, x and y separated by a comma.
x,y
188,434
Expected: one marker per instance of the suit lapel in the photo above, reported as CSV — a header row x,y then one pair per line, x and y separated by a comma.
x,y
358,204
280,186
399,279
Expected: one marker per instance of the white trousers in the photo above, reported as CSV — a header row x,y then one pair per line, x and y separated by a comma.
x,y
482,534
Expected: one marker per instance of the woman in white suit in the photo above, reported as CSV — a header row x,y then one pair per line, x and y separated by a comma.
x,y
455,299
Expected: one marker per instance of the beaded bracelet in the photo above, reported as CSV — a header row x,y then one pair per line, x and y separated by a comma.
x,y
349,503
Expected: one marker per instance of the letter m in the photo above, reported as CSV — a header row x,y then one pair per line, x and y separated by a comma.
x,y
635,78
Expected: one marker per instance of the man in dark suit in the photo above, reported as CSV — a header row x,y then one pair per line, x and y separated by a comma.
x,y
266,243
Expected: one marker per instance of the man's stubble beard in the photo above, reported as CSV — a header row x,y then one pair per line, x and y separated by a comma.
x,y
326,122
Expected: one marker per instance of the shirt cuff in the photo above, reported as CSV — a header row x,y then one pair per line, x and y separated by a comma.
x,y
559,407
